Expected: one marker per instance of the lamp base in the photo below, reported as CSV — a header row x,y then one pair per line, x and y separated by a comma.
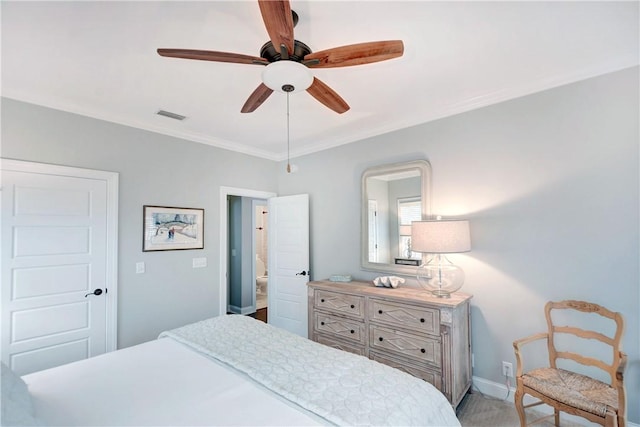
x,y
439,277
440,294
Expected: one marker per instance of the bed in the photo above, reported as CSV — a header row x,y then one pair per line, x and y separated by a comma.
x,y
228,370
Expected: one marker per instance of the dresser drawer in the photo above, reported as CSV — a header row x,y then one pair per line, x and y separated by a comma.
x,y
422,319
339,345
340,303
432,376
420,348
348,329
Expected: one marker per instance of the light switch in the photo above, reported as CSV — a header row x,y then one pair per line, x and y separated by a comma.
x,y
199,262
139,267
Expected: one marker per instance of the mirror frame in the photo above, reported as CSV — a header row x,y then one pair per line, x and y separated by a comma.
x,y
422,166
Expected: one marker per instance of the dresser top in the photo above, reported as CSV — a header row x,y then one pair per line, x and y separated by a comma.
x,y
408,293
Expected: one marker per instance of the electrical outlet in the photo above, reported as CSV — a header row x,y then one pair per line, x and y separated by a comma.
x,y
139,267
199,262
507,369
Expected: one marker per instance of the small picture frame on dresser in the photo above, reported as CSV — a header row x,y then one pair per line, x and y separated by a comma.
x,y
407,261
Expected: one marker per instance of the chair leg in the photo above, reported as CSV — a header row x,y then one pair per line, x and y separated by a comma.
x,y
556,416
517,399
614,420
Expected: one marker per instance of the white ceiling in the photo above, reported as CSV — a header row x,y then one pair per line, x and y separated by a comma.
x,y
99,59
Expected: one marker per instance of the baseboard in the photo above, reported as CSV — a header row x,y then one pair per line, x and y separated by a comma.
x,y
240,310
499,391
493,389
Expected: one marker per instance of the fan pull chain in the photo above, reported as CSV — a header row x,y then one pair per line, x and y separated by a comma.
x,y
288,164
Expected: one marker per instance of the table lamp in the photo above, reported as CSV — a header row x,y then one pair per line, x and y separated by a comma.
x,y
438,237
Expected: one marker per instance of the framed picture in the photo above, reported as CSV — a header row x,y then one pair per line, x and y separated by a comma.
x,y
169,229
408,261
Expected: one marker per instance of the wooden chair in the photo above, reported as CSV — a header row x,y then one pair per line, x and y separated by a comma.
x,y
569,391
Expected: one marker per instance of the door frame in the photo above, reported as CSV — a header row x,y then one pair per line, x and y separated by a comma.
x,y
111,272
224,233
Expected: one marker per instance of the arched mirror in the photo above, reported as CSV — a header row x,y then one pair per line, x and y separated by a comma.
x,y
392,196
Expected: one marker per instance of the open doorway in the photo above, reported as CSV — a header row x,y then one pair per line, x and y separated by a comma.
x,y
288,250
247,254
239,245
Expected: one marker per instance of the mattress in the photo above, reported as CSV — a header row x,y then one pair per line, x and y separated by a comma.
x,y
231,370
158,383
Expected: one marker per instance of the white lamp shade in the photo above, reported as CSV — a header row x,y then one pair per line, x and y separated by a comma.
x,y
440,237
285,72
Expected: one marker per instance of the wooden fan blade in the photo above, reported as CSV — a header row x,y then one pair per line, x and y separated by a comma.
x,y
327,96
278,20
208,55
356,54
256,99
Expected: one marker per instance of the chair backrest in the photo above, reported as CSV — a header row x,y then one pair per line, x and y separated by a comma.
x,y
612,341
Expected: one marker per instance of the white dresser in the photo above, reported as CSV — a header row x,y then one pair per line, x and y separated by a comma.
x,y
406,328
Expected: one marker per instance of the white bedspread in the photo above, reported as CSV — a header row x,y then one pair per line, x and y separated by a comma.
x,y
158,383
341,387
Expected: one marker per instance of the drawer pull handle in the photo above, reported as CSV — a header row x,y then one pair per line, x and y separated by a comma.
x,y
322,300
422,320
380,339
353,306
379,311
322,323
353,332
422,350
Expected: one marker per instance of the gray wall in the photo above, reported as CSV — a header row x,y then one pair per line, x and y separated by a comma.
x,y
550,185
548,181
234,292
157,170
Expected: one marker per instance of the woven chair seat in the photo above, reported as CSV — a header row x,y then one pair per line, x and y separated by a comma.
x,y
573,389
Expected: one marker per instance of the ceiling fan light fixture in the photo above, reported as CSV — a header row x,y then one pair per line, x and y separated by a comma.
x,y
284,73
288,60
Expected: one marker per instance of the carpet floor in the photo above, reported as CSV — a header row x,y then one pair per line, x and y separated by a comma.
x,y
477,410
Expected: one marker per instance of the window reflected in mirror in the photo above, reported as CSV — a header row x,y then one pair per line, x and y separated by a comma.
x,y
409,209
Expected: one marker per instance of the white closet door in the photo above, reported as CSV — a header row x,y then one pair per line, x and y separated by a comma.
x,y
58,281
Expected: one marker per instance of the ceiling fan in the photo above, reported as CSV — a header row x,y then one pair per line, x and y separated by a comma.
x,y
288,60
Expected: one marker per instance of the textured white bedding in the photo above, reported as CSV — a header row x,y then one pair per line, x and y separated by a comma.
x,y
159,383
343,388
216,373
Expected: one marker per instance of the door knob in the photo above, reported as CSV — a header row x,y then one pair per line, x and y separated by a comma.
x,y
303,273
96,292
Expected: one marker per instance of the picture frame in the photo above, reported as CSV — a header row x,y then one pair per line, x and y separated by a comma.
x,y
166,228
408,261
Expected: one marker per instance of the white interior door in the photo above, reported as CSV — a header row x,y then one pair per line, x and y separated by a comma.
x,y
59,231
289,262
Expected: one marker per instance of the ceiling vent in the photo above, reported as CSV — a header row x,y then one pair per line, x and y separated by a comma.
x,y
171,115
